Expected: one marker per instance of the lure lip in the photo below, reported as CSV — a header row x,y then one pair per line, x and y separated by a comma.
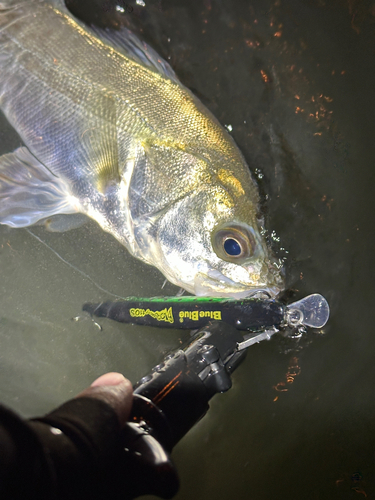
x,y
312,311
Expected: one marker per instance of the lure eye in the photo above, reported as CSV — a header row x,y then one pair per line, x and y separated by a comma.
x,y
233,243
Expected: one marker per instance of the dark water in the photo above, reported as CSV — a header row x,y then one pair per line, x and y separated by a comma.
x,y
295,81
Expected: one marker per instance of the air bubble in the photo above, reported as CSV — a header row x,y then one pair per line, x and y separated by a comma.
x,y
259,173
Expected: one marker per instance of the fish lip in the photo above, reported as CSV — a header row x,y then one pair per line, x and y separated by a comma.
x,y
209,285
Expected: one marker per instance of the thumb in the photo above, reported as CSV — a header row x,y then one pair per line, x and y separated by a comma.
x,y
115,390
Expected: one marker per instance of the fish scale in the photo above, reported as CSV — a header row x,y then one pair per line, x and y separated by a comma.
x,y
121,140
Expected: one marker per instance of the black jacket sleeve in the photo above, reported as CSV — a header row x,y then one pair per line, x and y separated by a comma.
x,y
71,453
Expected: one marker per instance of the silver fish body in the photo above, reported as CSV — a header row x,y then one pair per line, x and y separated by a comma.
x,y
109,131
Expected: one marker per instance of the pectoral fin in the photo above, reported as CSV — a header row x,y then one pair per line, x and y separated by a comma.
x,y
30,192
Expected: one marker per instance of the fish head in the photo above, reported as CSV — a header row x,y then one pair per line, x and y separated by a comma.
x,y
210,244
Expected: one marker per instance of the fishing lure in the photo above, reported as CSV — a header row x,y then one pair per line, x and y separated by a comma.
x,y
252,314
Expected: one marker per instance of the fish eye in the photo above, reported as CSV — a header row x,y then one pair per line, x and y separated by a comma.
x,y
233,243
232,247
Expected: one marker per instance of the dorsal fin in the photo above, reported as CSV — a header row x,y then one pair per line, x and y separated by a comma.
x,y
127,43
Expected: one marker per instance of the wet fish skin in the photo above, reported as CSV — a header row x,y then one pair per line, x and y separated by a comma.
x,y
128,145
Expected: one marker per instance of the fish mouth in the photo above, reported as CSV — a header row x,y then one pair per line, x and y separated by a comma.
x,y
216,284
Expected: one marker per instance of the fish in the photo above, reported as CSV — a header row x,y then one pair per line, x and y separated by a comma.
x,y
110,132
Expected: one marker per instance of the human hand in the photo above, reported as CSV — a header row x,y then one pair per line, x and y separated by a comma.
x,y
115,390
